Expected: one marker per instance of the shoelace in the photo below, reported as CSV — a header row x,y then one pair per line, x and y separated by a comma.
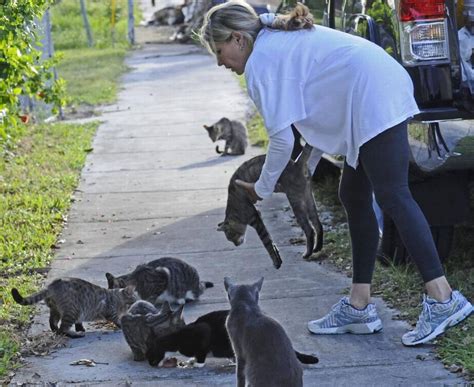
x,y
425,313
335,308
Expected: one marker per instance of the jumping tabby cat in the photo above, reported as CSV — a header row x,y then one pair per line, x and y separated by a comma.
x,y
163,279
74,301
234,134
295,182
205,336
144,320
263,351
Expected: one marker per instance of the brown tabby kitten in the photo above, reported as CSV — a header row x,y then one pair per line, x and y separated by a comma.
x,y
143,320
263,351
234,134
295,182
73,301
163,279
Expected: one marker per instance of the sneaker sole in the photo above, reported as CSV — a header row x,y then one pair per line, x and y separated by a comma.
x,y
358,329
451,321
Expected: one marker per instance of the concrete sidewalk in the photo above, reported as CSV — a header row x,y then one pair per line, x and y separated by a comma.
x,y
152,187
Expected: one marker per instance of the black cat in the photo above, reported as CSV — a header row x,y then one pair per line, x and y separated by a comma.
x,y
206,335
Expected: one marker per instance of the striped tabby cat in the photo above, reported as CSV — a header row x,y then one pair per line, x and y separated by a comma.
x,y
163,279
73,301
234,134
143,320
295,182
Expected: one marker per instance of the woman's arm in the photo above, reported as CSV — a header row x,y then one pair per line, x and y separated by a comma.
x,y
278,155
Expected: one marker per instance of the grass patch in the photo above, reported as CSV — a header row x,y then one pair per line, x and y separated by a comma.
x,y
87,86
9,347
91,73
399,285
68,27
256,131
36,188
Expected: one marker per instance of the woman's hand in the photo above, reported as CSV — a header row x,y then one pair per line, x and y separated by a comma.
x,y
250,189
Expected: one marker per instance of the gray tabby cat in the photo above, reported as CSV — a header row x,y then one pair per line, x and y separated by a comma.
x,y
73,301
234,134
263,351
163,279
295,182
143,320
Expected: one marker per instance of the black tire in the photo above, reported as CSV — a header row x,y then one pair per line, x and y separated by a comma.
x,y
392,249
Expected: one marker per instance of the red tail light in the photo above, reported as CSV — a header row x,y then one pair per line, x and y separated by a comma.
x,y
411,10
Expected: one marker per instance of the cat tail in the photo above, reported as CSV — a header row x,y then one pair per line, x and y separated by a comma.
x,y
306,359
33,299
304,155
217,149
257,223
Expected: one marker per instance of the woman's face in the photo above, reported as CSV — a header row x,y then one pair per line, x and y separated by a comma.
x,y
233,54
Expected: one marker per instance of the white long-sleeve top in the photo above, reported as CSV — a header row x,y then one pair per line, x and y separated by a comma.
x,y
339,91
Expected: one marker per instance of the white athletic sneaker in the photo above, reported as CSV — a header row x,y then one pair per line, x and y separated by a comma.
x,y
344,318
437,317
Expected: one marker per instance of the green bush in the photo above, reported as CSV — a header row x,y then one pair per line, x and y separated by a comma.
x,y
21,69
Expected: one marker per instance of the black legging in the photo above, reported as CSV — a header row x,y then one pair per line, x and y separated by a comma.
x,y
383,170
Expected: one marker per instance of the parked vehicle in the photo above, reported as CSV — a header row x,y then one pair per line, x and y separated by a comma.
x,y
434,41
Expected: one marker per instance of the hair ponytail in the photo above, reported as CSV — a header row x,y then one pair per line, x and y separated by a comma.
x,y
298,18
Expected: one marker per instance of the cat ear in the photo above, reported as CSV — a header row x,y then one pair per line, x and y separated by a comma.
x,y
227,283
178,315
207,127
165,308
110,280
259,284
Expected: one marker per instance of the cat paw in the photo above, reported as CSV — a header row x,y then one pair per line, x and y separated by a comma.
x,y
138,357
73,335
170,362
190,363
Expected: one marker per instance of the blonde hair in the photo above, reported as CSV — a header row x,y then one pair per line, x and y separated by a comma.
x,y
236,15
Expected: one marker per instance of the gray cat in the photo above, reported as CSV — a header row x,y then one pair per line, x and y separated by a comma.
x,y
163,279
168,16
263,351
73,301
143,320
295,182
234,134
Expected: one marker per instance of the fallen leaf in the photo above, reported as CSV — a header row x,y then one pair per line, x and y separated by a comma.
x,y
454,368
86,362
